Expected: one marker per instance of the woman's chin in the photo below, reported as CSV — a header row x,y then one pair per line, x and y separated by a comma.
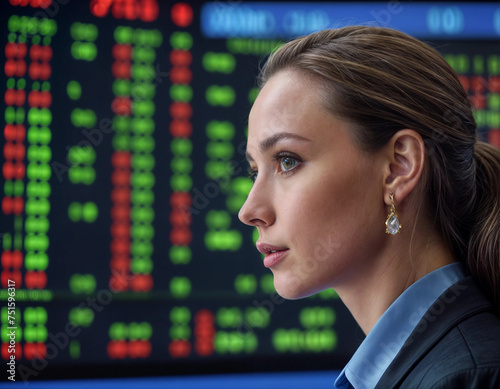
x,y
293,290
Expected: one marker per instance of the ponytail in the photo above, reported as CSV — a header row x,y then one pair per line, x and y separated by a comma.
x,y
483,259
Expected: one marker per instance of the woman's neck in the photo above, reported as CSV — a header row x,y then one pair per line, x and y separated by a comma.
x,y
369,293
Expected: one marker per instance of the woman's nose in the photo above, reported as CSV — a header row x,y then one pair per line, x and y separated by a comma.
x,y
258,210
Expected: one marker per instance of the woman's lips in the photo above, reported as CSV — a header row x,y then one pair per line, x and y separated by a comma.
x,y
273,254
272,259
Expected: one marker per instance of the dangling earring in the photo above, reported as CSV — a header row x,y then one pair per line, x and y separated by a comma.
x,y
392,224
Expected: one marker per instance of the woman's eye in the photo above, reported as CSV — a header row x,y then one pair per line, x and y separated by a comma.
x,y
252,174
288,163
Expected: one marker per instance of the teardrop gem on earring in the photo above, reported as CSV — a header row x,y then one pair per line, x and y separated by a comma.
x,y
392,224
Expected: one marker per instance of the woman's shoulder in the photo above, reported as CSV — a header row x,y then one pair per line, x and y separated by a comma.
x,y
468,356
472,343
477,378
480,335
457,340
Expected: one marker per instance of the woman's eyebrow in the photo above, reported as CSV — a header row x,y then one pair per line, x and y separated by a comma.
x,y
273,139
267,143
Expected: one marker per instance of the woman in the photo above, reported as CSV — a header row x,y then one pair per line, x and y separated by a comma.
x,y
355,127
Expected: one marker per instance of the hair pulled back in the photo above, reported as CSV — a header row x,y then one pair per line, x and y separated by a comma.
x,y
382,81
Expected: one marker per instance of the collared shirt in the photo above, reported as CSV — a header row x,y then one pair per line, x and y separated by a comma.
x,y
388,335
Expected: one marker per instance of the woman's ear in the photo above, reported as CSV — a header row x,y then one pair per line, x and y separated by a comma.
x,y
405,157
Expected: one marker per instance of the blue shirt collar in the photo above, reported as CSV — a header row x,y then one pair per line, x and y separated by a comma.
x,y
388,335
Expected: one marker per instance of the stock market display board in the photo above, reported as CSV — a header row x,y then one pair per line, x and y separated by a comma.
x,y
123,170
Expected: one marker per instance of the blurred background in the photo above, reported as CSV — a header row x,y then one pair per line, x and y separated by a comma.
x,y
123,169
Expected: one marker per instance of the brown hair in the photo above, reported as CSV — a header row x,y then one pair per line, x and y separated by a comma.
x,y
383,81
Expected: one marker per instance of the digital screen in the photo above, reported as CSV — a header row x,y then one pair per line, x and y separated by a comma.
x,y
123,170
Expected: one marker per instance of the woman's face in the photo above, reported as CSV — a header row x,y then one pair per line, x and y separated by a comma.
x,y
317,200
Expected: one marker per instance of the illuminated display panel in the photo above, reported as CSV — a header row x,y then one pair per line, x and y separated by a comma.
x,y
123,171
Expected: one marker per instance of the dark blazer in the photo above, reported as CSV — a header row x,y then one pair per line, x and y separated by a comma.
x,y
455,345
